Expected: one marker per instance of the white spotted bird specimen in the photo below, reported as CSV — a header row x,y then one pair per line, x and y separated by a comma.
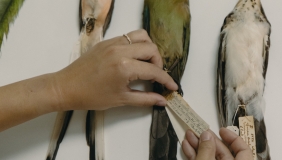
x,y
242,66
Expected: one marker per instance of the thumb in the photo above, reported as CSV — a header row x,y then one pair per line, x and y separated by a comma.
x,y
206,149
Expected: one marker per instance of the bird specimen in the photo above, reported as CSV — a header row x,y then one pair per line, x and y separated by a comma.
x,y
95,19
242,65
9,9
168,24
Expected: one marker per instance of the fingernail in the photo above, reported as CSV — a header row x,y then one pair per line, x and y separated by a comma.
x,y
161,103
175,86
205,136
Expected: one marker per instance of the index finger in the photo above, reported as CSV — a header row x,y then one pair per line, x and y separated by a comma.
x,y
148,71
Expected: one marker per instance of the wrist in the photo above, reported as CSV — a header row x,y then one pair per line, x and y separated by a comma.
x,y
43,94
62,90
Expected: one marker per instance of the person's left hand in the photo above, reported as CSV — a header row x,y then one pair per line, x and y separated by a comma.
x,y
210,147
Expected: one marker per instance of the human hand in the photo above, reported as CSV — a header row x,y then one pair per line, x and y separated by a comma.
x,y
210,147
99,79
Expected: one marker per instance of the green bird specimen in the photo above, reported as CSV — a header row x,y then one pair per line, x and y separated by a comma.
x,y
9,9
168,24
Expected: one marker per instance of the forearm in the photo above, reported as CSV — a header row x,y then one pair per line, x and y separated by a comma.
x,y
27,99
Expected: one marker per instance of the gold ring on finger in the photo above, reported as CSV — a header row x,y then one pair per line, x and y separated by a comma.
x,y
127,37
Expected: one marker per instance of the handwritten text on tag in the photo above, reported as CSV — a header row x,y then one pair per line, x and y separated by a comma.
x,y
247,132
186,113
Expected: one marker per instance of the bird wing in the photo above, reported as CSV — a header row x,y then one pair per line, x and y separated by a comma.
x,y
220,82
163,139
159,137
90,133
261,138
9,9
157,131
109,17
186,44
221,73
266,45
146,17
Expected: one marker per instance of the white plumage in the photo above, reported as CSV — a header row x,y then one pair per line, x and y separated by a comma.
x,y
245,39
242,66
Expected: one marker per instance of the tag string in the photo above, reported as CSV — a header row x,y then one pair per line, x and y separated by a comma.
x,y
243,106
235,115
248,101
172,66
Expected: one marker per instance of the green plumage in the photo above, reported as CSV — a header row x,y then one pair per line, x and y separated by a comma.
x,y
168,24
9,9
170,31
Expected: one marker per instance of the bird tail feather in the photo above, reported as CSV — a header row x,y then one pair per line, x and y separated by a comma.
x,y
60,128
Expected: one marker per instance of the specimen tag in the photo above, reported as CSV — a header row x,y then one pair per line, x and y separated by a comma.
x,y
247,132
186,113
234,129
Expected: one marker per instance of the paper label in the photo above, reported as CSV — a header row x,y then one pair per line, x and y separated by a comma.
x,y
186,113
234,129
247,132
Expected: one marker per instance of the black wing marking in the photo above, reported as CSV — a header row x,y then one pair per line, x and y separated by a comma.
x,y
108,18
266,46
261,140
90,133
58,133
146,18
80,17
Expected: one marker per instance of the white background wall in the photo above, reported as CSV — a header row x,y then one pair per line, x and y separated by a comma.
x,y
41,39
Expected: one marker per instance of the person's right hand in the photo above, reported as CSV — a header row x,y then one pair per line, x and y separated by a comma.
x,y
210,147
99,79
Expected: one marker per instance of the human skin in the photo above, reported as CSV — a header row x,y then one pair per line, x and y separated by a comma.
x,y
98,80
209,146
